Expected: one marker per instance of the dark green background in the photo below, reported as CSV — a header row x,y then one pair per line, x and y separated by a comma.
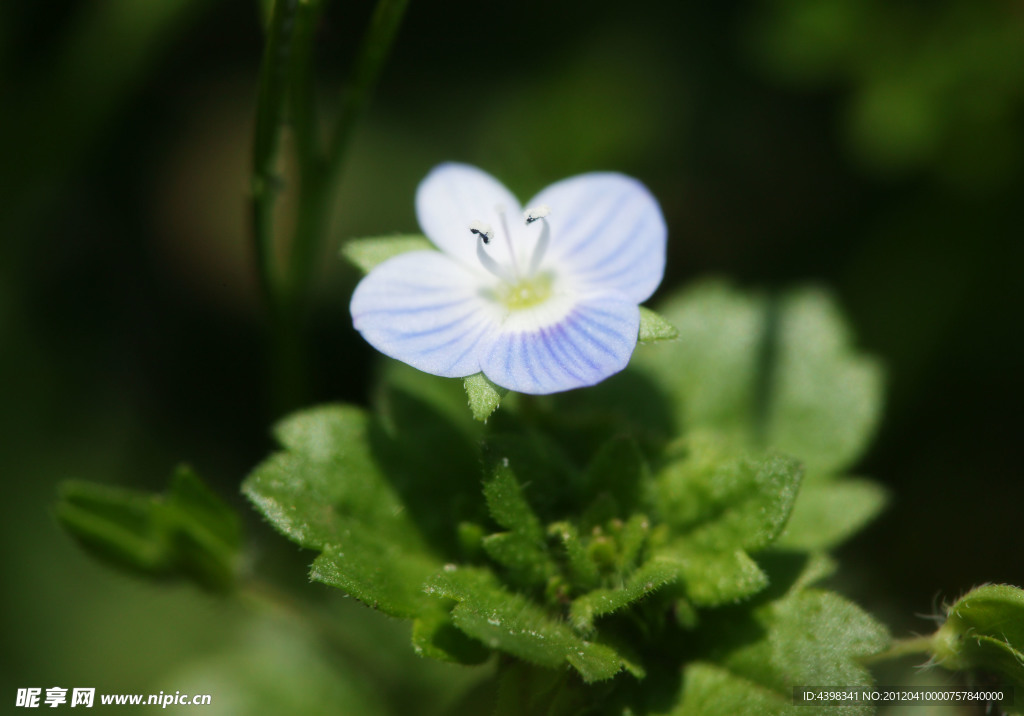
x,y
876,148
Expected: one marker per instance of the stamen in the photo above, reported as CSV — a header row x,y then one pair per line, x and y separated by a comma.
x,y
537,212
484,231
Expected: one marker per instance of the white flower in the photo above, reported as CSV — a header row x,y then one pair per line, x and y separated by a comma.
x,y
540,301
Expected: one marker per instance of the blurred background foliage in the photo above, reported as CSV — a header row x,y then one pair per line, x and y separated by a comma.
x,y
876,148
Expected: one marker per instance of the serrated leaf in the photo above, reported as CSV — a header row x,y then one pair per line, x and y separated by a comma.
x,y
508,505
710,690
522,549
828,512
727,503
484,396
714,577
379,572
712,369
806,638
328,481
367,253
654,328
769,373
984,629
187,532
583,571
434,636
600,602
824,400
511,623
339,487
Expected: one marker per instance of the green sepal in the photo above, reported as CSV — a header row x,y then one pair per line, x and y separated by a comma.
x,y
367,253
483,395
984,630
187,532
655,328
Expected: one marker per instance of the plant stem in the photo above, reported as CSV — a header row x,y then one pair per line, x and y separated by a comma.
x,y
326,175
903,647
287,84
270,106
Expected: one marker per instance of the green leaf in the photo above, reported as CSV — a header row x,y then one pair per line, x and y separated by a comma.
x,y
725,503
522,549
806,638
824,400
511,623
654,328
769,373
327,482
330,491
484,396
984,629
367,253
827,513
188,532
379,572
434,636
597,603
714,577
710,690
712,370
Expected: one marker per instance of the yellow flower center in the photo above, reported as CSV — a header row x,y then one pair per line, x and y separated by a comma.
x,y
525,293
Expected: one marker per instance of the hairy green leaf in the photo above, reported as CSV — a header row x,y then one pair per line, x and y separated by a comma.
x,y
726,503
710,690
186,532
597,603
509,622
769,373
808,637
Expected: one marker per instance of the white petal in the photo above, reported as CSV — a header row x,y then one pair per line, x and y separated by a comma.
x,y
452,197
591,341
607,232
426,310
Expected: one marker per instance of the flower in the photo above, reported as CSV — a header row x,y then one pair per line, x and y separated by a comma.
x,y
540,301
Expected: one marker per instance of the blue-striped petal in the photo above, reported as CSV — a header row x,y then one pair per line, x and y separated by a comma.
x,y
607,233
592,340
451,197
426,310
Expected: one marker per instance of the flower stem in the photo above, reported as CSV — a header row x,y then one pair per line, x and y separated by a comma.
x,y
323,176
286,91
903,647
270,105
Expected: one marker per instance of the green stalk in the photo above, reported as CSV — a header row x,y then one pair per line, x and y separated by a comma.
x,y
270,106
315,214
286,90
